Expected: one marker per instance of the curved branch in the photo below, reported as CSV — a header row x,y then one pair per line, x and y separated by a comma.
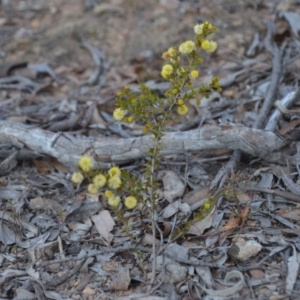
x,y
67,149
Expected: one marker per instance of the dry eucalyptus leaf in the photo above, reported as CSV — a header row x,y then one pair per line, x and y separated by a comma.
x,y
104,224
199,227
32,230
171,210
80,228
7,235
205,274
39,203
195,288
141,296
147,239
173,186
293,267
80,210
293,19
198,196
166,228
289,214
294,188
42,252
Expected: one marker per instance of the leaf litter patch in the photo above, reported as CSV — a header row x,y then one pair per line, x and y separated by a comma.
x,y
241,240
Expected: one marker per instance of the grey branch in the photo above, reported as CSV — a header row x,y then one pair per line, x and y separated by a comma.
x,y
67,149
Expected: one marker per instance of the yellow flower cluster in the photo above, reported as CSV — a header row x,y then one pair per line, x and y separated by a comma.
x,y
113,200
194,73
77,177
180,102
207,205
167,71
169,54
114,171
130,202
119,114
114,181
198,29
130,119
187,47
99,181
182,110
85,163
92,188
209,46
172,52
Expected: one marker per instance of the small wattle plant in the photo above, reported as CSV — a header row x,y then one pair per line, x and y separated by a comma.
x,y
154,113
147,108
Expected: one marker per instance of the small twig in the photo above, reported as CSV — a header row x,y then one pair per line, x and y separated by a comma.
x,y
119,249
60,246
279,193
65,276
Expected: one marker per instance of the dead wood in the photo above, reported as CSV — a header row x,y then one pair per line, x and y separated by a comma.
x,y
67,149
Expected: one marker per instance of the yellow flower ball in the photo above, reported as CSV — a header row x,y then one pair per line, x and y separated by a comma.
x,y
119,94
194,74
174,92
166,56
145,130
198,29
207,205
172,52
114,201
180,102
182,110
85,163
166,71
114,171
92,188
119,114
99,181
209,46
130,119
187,47
109,193
130,202
114,182
77,177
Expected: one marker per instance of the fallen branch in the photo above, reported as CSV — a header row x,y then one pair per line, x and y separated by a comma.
x,y
67,149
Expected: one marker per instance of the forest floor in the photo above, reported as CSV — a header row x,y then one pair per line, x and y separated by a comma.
x,y
62,63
